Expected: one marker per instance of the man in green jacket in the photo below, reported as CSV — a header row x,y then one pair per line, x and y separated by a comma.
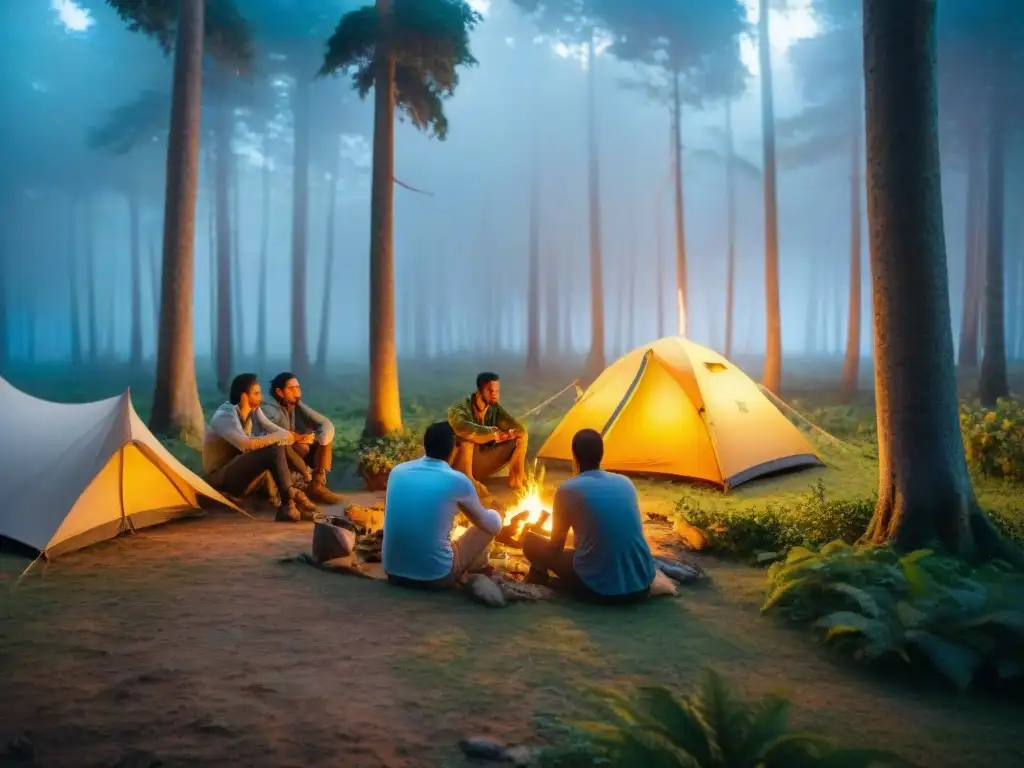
x,y
488,436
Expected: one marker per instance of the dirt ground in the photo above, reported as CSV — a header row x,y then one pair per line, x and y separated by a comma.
x,y
191,644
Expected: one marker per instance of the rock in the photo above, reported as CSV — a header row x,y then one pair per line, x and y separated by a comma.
x,y
521,756
517,591
371,518
693,537
482,748
684,574
765,558
331,542
481,589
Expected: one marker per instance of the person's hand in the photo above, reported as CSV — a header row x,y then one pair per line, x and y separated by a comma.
x,y
304,439
502,437
289,439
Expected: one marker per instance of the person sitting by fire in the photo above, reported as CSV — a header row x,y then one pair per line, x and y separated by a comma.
x,y
422,499
312,431
612,561
241,443
487,436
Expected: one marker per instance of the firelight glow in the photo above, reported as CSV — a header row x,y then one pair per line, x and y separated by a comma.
x,y
530,502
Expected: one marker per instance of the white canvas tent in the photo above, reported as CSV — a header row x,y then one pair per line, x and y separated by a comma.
x,y
76,474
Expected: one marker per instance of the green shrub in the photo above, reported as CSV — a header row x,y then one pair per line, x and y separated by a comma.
x,y
380,455
922,609
813,520
710,729
994,440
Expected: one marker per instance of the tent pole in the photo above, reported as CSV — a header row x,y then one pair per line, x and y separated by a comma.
x,y
127,526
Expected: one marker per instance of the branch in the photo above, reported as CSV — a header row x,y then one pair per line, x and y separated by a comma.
x,y
411,189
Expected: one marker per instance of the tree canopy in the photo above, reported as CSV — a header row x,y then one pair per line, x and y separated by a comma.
x,y
430,43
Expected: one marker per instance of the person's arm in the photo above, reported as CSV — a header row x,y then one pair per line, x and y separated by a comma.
x,y
461,420
226,424
507,422
485,519
267,425
324,426
561,520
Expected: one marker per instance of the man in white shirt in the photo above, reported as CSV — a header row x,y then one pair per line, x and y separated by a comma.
x,y
423,498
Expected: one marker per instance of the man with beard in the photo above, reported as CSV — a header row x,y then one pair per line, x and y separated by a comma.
x,y
313,433
241,444
488,436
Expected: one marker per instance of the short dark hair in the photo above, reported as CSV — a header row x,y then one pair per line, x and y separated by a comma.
x,y
439,440
588,449
485,378
240,385
280,380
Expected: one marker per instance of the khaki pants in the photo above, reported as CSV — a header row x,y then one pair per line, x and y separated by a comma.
x,y
478,461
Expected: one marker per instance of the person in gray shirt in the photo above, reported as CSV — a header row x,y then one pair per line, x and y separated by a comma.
x,y
241,444
612,561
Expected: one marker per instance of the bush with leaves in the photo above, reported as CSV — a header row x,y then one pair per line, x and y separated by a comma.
x,y
711,729
773,528
994,440
378,456
923,609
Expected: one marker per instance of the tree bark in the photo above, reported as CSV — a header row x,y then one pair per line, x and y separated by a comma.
x,y
300,224
813,323
772,378
235,227
993,383
595,362
329,246
384,410
533,290
552,299
92,319
154,285
74,289
851,363
261,319
730,256
925,493
222,193
176,409
135,237
968,339
682,286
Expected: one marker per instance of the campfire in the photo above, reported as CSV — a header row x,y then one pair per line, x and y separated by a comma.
x,y
529,510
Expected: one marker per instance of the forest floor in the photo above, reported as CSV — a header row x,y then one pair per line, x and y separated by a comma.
x,y
192,644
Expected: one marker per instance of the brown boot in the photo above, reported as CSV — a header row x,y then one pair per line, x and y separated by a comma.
x,y
288,513
305,506
318,490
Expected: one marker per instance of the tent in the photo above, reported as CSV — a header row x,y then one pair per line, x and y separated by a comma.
x,y
76,474
675,408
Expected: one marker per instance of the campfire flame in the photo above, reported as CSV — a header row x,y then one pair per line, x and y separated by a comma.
x,y
530,501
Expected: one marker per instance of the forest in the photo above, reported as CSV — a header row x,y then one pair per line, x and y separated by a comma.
x,y
385,198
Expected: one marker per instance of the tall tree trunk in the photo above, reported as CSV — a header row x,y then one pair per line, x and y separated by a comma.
x,y
90,282
730,256
812,329
969,325
222,192
552,299
533,278
925,492
993,384
261,319
300,223
329,246
682,289
851,363
1012,300
384,409
154,284
211,252
595,360
772,379
135,343
237,289
176,410
631,305
74,290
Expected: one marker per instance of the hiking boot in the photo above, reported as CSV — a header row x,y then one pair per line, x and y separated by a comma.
x,y
318,490
302,502
288,513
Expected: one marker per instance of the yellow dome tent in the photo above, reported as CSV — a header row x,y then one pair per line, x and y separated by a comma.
x,y
673,407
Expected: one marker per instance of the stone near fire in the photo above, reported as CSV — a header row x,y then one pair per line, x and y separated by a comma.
x,y
684,574
371,518
481,589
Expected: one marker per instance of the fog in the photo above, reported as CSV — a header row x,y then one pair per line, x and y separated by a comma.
x,y
462,205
